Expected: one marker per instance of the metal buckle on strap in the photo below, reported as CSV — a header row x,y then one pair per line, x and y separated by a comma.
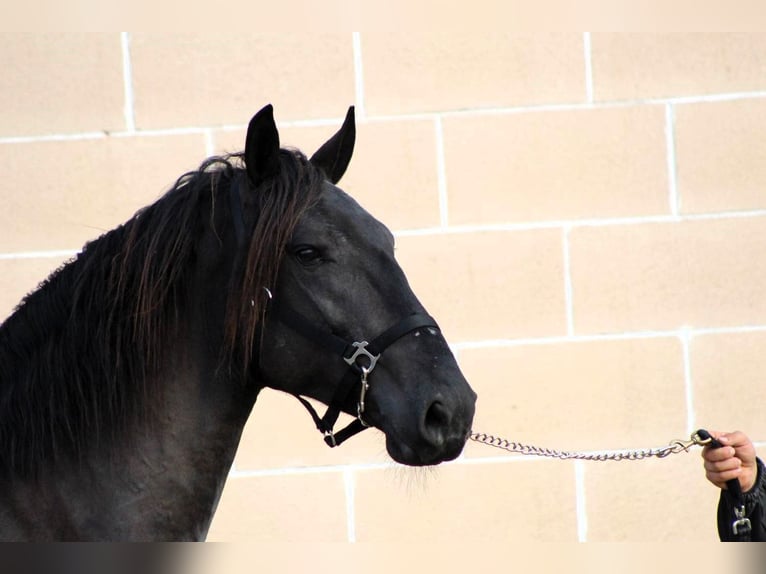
x,y
330,438
361,349
742,524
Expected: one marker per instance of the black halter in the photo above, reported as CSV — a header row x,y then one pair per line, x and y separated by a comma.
x,y
360,356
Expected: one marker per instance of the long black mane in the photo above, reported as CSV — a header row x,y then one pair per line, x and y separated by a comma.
x,y
78,355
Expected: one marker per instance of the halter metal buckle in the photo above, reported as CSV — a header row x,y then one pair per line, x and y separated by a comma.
x,y
361,349
330,436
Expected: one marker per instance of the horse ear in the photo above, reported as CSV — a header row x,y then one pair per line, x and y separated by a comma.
x,y
334,155
262,146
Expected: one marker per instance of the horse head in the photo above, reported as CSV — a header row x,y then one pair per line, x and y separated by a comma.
x,y
344,326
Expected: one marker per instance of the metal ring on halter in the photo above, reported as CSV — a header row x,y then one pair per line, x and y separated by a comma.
x,y
361,351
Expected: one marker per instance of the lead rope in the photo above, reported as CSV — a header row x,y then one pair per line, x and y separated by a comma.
x,y
740,525
675,446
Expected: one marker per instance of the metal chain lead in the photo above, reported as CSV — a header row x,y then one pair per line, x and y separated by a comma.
x,y
673,447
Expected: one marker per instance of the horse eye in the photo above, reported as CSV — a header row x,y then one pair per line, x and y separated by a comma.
x,y
307,255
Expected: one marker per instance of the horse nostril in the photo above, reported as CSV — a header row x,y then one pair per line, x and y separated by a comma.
x,y
437,422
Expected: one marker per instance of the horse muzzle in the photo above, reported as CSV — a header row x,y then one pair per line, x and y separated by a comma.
x,y
441,432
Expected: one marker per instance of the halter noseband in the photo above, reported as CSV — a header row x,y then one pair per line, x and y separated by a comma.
x,y
361,356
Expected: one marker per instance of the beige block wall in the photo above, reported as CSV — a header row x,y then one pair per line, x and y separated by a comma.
x,y
584,214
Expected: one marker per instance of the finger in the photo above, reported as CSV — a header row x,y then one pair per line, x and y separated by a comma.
x,y
714,454
735,439
723,465
721,478
715,434
743,445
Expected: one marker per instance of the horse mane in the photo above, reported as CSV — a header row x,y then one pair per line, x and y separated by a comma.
x,y
79,355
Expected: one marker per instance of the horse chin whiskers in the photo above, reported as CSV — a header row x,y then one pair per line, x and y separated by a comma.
x,y
414,480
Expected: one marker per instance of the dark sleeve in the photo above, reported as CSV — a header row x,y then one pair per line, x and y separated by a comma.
x,y
755,503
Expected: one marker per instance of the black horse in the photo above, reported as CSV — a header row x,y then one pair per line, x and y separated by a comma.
x,y
127,376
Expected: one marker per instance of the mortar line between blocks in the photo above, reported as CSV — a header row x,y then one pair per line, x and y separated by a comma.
x,y
441,174
459,346
571,106
670,143
588,68
52,138
40,254
476,112
349,483
578,223
356,39
580,501
127,76
102,135
305,470
209,142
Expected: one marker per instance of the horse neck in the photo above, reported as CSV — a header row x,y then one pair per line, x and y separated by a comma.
x,y
159,479
180,463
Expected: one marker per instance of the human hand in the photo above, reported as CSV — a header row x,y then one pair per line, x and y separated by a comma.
x,y
735,459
